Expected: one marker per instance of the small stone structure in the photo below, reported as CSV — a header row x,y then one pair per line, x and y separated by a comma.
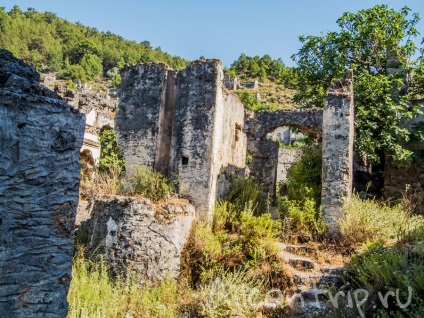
x,y
184,124
40,138
337,149
135,234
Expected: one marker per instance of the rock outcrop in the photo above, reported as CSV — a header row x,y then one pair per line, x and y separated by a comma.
x,y
40,138
135,234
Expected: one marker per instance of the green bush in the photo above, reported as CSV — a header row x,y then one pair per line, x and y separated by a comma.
x,y
380,269
110,156
149,184
233,240
304,177
246,192
302,217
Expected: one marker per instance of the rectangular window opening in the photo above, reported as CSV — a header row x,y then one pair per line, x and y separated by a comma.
x,y
184,160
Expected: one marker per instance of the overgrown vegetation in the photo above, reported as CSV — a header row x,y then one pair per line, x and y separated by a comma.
x,y
94,293
110,156
389,254
149,184
299,198
228,267
367,221
52,44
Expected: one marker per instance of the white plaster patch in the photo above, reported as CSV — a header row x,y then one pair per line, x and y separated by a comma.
x,y
112,227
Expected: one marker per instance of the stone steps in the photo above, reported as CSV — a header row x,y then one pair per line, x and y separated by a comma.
x,y
311,280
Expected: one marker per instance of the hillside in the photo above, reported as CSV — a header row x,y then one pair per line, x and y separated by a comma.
x,y
277,82
75,51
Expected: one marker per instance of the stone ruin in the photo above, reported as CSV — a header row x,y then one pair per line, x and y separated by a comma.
x,y
135,234
188,126
183,124
40,139
100,114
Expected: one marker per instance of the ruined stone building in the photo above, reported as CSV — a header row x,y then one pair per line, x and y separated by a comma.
x,y
184,124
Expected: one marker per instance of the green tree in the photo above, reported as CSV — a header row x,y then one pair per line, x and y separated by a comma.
x,y
364,42
92,65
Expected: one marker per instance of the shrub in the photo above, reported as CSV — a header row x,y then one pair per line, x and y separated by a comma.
x,y
379,269
368,220
302,217
230,294
244,192
110,155
150,184
304,177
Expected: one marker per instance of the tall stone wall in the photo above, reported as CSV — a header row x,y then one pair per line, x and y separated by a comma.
x,y
137,120
40,138
183,124
337,149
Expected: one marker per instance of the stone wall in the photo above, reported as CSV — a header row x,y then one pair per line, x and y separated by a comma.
x,y
286,159
40,138
337,149
183,124
135,234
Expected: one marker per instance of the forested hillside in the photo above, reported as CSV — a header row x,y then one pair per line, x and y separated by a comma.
x,y
277,82
52,44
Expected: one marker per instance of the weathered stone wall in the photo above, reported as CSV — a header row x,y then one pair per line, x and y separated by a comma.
x,y
337,149
265,151
137,120
135,234
40,138
183,124
286,159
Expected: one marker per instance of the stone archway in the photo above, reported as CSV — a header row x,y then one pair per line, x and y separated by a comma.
x,y
265,151
334,124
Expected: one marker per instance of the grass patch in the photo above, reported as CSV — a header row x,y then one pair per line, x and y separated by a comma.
x,y
368,220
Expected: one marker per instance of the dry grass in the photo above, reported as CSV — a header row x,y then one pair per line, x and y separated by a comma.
x,y
368,220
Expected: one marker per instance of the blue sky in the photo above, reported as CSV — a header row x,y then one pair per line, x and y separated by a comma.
x,y
216,29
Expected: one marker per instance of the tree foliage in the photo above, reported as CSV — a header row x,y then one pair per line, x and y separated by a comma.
x,y
262,68
364,42
53,44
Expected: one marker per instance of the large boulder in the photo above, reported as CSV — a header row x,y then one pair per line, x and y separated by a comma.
x,y
135,234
